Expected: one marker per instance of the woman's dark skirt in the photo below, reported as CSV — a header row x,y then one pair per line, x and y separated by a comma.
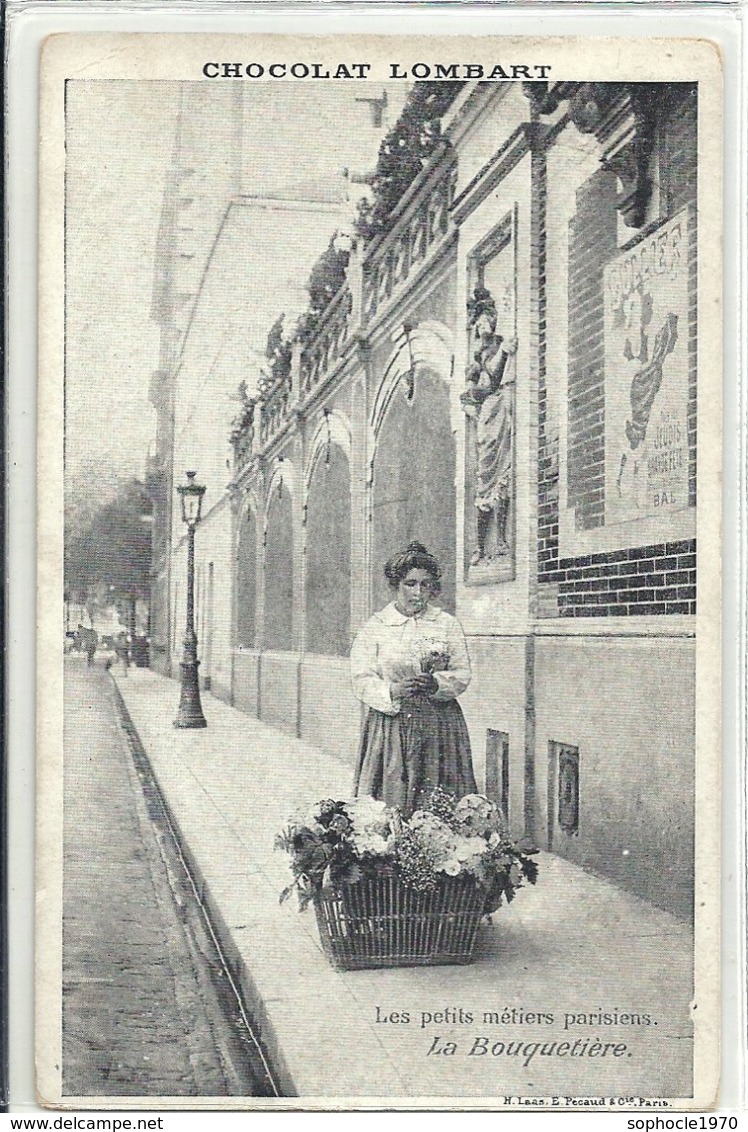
x,y
404,756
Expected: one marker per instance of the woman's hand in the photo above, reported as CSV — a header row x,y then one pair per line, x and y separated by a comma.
x,y
413,686
427,684
404,689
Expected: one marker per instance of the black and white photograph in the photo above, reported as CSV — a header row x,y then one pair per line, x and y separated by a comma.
x,y
379,553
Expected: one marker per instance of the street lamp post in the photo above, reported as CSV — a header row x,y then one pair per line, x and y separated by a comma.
x,y
190,713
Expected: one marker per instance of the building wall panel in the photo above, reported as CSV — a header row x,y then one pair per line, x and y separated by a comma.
x,y
495,699
246,681
331,716
628,707
279,691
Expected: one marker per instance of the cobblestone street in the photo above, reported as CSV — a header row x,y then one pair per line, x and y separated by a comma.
x,y
146,1009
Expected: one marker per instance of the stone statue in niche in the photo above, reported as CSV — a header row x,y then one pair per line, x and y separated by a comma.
x,y
489,399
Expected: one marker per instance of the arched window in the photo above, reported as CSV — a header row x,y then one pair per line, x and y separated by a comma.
x,y
414,483
328,556
246,581
279,571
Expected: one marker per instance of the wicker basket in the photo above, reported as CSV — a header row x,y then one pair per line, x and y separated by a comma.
x,y
383,923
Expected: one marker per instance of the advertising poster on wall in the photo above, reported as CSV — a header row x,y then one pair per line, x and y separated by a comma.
x,y
650,364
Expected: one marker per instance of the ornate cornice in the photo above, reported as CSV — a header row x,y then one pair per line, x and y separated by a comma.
x,y
623,118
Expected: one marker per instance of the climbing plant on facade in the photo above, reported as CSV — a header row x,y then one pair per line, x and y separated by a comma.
x,y
404,152
325,280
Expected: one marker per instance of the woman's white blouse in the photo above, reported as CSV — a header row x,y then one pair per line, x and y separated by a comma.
x,y
391,646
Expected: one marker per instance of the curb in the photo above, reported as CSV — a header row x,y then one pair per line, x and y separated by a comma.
x,y
252,1020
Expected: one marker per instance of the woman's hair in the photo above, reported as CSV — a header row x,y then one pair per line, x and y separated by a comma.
x,y
414,557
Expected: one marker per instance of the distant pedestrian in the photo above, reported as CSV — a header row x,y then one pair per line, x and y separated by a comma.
x,y
90,644
122,651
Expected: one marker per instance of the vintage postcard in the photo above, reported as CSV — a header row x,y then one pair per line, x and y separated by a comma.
x,y
379,527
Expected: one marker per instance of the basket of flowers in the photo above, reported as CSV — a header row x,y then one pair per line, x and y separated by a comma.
x,y
391,892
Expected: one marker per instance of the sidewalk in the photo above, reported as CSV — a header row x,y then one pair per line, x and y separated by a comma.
x,y
574,945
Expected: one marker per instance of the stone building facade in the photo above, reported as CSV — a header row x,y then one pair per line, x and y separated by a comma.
x,y
535,296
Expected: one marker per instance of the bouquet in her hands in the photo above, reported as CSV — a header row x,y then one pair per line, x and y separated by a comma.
x,y
437,660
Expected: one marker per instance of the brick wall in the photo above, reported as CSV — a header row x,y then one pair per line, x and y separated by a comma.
x,y
592,242
645,579
658,578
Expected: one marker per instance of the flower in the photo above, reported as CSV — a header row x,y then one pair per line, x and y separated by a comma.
x,y
368,813
442,803
373,843
413,864
371,825
308,821
468,847
476,814
338,843
436,660
436,839
427,819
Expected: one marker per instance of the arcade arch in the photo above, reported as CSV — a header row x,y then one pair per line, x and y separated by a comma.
x,y
413,464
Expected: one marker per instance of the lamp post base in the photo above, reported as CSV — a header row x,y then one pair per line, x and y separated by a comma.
x,y
190,711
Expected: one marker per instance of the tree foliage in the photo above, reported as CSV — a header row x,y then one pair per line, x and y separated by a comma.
x,y
325,280
278,350
108,555
404,152
278,353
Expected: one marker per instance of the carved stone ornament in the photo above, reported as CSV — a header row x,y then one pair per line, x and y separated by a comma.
x,y
488,402
623,118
